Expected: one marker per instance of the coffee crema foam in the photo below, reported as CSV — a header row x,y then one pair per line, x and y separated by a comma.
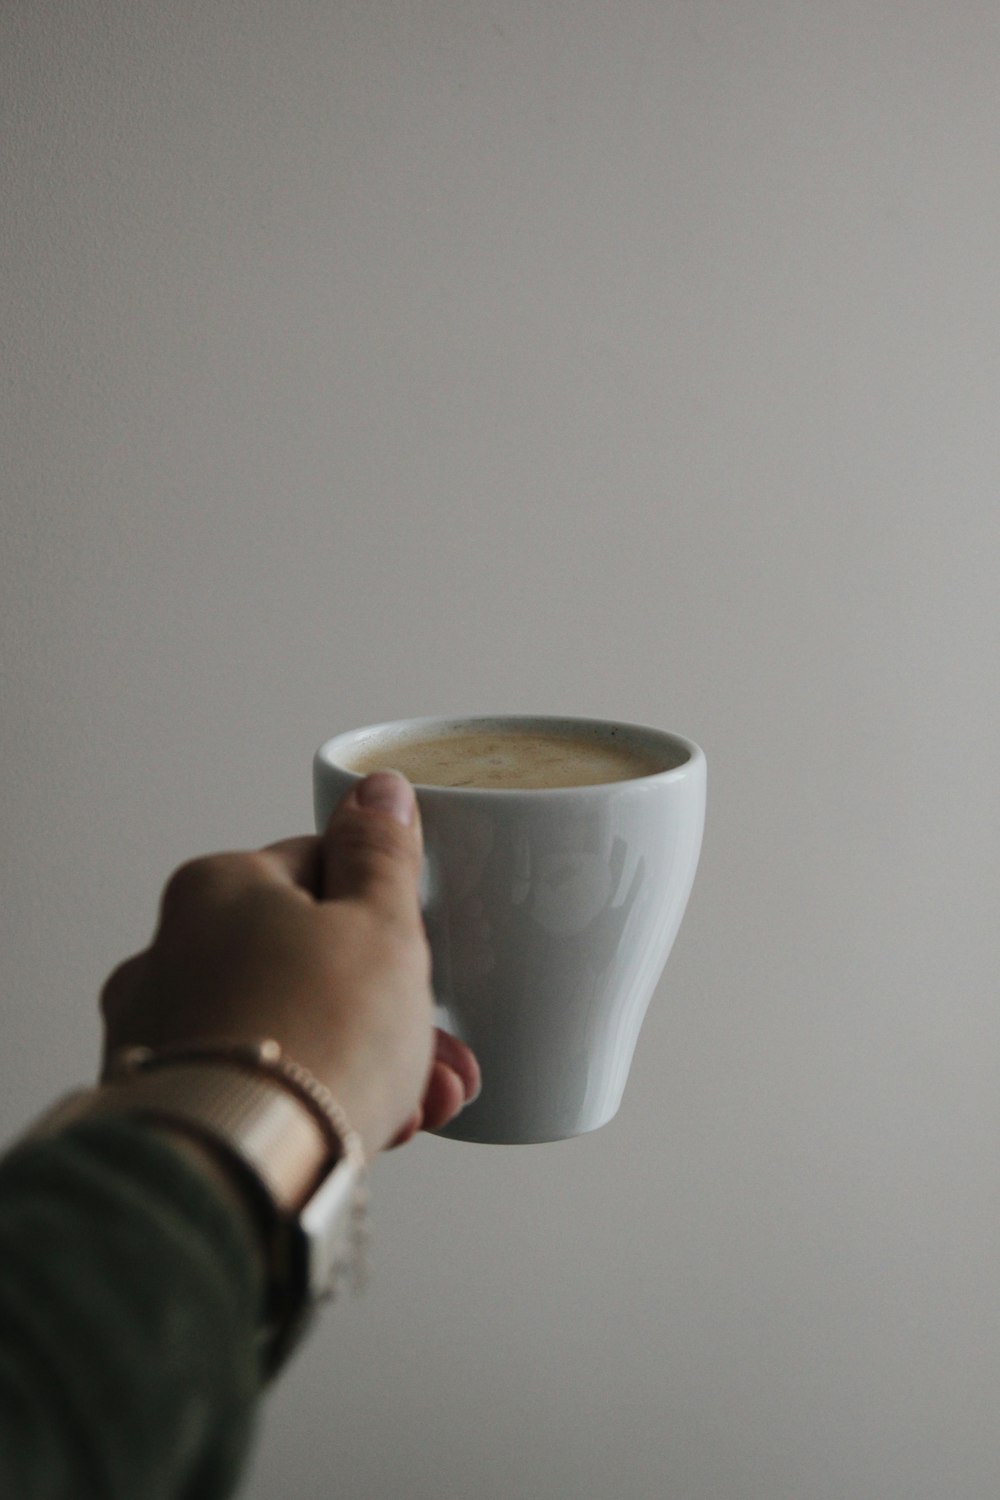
x,y
508,759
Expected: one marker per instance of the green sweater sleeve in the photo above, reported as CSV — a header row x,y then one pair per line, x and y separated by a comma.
x,y
129,1295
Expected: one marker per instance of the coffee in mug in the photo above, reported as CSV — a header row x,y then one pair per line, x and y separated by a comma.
x,y
511,758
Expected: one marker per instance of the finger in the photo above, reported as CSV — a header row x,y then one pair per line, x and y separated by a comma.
x,y
443,1099
408,1131
444,1096
372,845
298,860
457,1056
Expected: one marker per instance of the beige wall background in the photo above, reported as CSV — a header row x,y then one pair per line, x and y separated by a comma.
x,y
616,357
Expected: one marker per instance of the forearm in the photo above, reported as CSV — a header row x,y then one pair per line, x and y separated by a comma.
x,y
129,1295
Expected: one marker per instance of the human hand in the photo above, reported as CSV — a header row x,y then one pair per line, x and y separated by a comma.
x,y
319,943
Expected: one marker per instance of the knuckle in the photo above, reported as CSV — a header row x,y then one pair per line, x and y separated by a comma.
x,y
201,878
187,879
119,984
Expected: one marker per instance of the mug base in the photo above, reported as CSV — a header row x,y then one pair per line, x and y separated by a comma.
x,y
489,1133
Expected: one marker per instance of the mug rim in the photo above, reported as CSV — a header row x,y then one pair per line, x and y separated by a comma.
x,y
326,756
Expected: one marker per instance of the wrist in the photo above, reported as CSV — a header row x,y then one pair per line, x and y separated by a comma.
x,y
273,1144
224,1177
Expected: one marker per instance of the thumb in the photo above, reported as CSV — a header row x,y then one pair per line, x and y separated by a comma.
x,y
372,846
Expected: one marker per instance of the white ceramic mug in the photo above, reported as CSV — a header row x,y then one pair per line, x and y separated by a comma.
x,y
550,915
